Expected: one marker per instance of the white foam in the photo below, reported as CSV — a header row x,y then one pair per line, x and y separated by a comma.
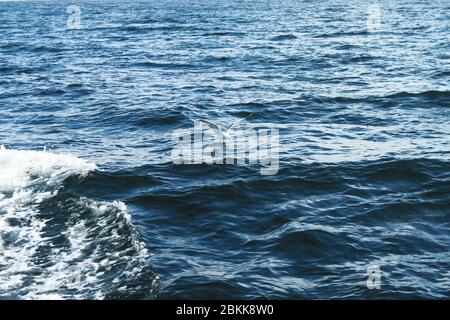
x,y
32,264
82,274
19,168
26,179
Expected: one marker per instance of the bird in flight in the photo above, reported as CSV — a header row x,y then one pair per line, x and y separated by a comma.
x,y
225,135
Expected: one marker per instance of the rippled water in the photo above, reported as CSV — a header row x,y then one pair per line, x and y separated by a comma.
x,y
364,162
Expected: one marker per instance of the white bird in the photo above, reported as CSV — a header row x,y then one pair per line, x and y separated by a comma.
x,y
224,135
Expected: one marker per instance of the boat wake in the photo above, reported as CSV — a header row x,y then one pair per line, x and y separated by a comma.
x,y
55,244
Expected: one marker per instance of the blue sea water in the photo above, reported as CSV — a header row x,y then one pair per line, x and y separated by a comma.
x,y
363,177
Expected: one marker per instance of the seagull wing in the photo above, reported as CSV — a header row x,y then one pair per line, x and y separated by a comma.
x,y
213,126
238,121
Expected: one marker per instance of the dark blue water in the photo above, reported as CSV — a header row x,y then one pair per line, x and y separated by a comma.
x,y
364,165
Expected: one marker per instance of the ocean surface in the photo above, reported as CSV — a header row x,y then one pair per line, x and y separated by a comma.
x,y
93,207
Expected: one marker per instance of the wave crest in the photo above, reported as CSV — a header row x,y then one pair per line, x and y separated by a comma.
x,y
59,245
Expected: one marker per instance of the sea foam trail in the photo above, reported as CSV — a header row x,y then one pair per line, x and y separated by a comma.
x,y
54,246
20,169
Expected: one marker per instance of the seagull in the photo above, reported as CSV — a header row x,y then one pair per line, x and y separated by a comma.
x,y
224,135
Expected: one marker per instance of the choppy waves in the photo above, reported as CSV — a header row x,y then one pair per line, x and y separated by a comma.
x,y
58,245
363,178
